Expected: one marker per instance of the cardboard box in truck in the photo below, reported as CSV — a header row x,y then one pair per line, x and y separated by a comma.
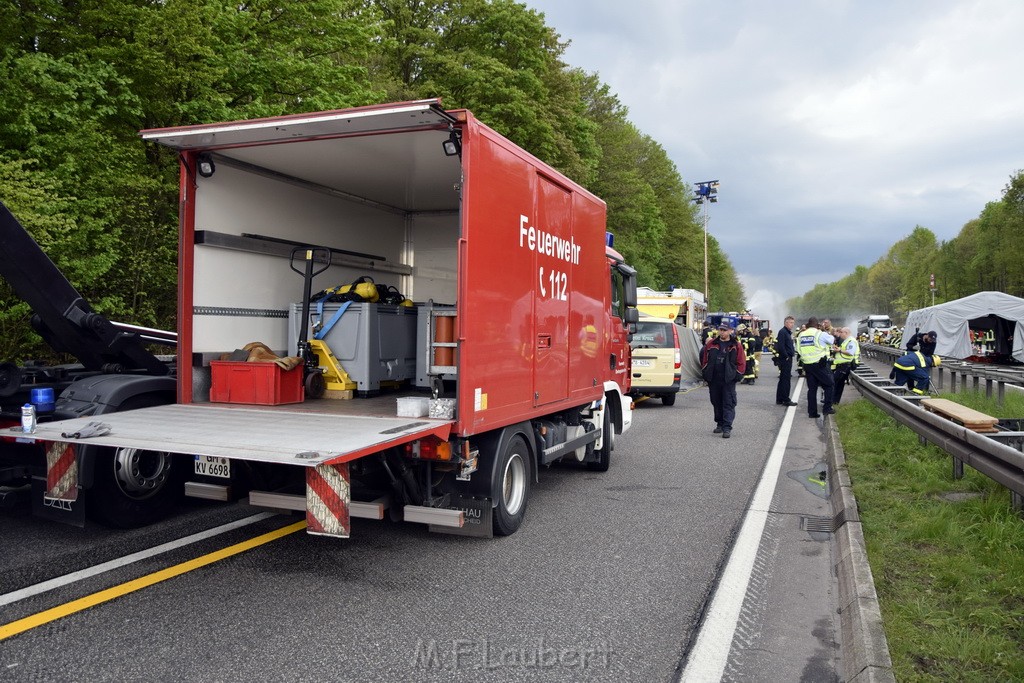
x,y
521,333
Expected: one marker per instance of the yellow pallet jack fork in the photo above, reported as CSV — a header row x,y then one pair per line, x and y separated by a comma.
x,y
335,377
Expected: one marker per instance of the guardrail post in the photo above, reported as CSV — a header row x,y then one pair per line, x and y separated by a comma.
x,y
999,393
952,382
988,387
1017,501
975,383
940,379
958,468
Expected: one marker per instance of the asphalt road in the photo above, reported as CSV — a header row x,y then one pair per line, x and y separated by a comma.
x,y
605,580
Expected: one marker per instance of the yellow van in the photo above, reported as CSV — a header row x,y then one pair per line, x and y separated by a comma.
x,y
656,359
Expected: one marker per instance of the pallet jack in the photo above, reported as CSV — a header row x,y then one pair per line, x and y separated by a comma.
x,y
321,370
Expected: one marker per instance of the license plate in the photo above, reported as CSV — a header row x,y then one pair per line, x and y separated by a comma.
x,y
210,466
642,363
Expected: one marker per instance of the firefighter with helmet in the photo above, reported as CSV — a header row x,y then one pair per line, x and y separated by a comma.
x,y
746,338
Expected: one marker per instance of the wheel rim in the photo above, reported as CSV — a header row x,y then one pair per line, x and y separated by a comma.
x,y
513,484
140,473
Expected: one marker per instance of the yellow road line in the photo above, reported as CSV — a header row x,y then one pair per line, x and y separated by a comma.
x,y
45,617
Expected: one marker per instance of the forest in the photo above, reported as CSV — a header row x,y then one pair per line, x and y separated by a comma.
x,y
81,79
987,254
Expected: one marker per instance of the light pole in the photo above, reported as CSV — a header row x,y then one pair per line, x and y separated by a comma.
x,y
704,194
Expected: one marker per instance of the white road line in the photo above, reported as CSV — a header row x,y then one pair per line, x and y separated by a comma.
x,y
22,593
711,652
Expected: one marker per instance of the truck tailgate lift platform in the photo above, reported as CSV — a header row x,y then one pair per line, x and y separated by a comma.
x,y
324,444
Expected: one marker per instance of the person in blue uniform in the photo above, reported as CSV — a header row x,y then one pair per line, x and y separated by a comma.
x,y
912,370
784,352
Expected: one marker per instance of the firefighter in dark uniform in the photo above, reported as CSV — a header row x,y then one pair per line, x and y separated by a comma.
x,y
746,338
912,370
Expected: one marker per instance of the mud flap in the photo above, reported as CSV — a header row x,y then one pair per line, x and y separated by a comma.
x,y
328,496
58,497
477,511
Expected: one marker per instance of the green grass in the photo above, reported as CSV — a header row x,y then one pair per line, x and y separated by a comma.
x,y
949,575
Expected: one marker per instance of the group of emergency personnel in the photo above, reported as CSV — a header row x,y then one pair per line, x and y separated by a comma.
x,y
827,356
752,343
911,369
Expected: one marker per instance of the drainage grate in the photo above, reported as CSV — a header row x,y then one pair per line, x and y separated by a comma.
x,y
818,524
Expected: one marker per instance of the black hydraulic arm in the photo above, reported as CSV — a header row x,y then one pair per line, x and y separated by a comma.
x,y
62,317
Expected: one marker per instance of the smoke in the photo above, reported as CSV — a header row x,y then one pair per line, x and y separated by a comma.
x,y
768,305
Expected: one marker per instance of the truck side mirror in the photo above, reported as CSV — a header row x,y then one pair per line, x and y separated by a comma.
x,y
629,285
632,316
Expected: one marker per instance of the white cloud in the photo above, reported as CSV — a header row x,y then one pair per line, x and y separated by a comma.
x,y
834,127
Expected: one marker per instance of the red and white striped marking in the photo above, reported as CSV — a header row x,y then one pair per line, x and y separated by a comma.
x,y
61,471
327,500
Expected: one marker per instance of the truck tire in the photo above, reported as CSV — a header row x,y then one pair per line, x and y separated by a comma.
x,y
134,488
669,399
512,486
604,454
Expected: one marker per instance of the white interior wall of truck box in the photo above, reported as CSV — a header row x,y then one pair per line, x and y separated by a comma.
x,y
240,296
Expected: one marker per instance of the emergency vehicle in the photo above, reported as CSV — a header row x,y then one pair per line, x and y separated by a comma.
x,y
875,325
686,307
515,355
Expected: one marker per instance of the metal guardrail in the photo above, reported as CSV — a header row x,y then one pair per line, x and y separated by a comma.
x,y
995,377
998,456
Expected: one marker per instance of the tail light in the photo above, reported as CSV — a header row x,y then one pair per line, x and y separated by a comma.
x,y
430,448
679,356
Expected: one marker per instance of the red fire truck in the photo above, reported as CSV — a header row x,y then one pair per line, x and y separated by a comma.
x,y
515,353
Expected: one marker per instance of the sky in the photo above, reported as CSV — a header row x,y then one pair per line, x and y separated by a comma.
x,y
834,126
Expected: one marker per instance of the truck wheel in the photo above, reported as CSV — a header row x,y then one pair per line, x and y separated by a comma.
x,y
513,486
134,488
669,399
604,454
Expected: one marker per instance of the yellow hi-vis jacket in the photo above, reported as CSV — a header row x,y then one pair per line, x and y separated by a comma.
x,y
902,362
809,346
849,352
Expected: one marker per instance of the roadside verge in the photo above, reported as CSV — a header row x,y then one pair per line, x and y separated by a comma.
x,y
864,650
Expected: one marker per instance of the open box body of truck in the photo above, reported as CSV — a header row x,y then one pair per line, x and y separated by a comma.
x,y
521,312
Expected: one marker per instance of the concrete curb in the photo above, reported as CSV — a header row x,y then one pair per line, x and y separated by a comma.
x,y
863,648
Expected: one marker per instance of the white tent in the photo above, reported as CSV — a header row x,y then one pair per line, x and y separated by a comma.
x,y
953,320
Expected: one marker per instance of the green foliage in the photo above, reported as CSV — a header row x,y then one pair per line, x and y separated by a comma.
x,y
948,572
81,78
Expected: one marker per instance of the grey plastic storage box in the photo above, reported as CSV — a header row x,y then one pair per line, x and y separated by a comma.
x,y
374,343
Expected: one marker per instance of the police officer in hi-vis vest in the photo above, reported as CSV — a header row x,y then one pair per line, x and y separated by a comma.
x,y
845,360
813,346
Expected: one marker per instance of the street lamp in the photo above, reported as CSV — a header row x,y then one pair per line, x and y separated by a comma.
x,y
704,194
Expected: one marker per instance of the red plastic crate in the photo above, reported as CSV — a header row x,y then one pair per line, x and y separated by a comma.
x,y
264,384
